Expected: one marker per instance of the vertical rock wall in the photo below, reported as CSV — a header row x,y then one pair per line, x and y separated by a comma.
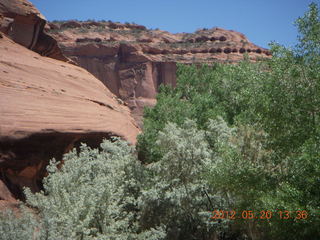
x,y
136,83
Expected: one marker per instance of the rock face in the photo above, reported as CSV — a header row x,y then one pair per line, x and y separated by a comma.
x,y
23,23
48,107
133,61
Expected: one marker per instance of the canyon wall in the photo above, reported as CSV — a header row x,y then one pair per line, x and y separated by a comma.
x,y
63,83
47,106
133,61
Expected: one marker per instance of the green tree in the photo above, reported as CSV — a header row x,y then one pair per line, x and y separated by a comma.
x,y
202,93
179,198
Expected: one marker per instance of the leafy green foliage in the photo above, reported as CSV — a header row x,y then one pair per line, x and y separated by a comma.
x,y
202,93
270,161
309,29
178,197
229,137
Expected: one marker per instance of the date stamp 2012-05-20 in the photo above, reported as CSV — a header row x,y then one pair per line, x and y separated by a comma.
x,y
263,214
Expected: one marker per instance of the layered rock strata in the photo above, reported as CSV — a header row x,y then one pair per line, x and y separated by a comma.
x,y
48,107
133,61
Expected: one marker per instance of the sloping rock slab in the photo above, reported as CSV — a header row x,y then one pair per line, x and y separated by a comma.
x,y
47,107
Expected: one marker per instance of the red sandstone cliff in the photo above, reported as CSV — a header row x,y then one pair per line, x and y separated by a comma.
x,y
23,23
47,106
133,61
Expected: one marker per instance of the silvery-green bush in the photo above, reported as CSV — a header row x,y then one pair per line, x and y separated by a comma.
x,y
108,194
178,198
16,225
92,196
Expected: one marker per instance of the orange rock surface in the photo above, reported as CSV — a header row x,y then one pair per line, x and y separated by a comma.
x,y
47,107
39,94
23,23
133,61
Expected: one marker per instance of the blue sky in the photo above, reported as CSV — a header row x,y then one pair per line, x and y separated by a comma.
x,y
262,21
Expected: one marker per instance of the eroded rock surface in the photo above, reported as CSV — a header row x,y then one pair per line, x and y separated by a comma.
x,y
133,61
48,107
24,24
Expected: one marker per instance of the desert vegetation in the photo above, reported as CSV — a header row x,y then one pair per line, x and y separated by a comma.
x,y
241,138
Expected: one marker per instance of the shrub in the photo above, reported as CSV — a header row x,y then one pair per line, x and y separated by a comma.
x,y
178,197
228,137
92,196
19,225
271,160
